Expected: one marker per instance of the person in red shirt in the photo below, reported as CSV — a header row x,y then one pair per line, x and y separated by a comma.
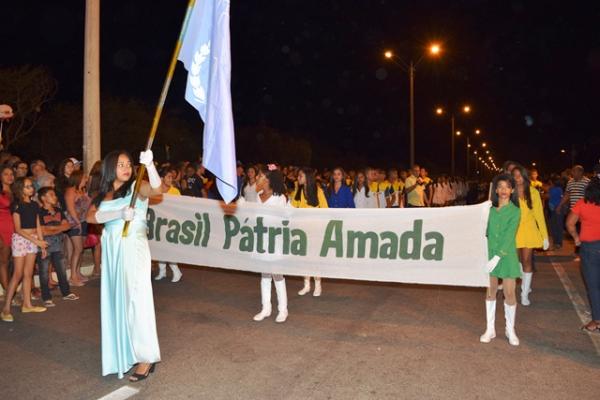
x,y
587,212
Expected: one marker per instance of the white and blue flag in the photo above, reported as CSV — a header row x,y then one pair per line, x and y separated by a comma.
x,y
205,53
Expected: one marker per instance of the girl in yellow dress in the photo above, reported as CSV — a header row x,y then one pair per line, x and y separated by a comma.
x,y
532,233
308,195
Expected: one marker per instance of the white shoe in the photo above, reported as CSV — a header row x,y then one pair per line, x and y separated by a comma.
x,y
162,271
306,287
318,289
264,313
490,313
509,315
176,272
281,291
526,288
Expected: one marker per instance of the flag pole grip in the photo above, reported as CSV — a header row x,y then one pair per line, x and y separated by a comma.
x,y
159,108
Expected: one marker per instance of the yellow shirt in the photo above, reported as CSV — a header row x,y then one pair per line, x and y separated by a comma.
x,y
532,227
302,202
397,186
376,187
416,196
174,191
537,184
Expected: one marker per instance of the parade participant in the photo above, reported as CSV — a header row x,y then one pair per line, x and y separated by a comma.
x,y
168,176
338,193
587,212
534,177
363,198
54,223
271,190
127,306
394,190
557,216
377,186
532,233
414,187
503,223
439,192
26,240
427,190
249,191
77,203
308,195
7,227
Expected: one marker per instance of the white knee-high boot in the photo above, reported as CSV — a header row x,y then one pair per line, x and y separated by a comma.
x,y
509,315
176,272
306,287
490,331
162,271
526,288
265,296
317,291
281,301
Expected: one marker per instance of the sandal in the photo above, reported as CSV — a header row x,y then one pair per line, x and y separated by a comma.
x,y
71,296
49,303
586,328
135,377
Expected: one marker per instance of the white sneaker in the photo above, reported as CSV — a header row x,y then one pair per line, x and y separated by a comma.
x,y
265,313
281,316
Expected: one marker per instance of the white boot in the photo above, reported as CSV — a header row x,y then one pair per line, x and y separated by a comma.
x,y
265,296
526,288
317,291
306,287
176,272
509,315
162,271
490,313
281,301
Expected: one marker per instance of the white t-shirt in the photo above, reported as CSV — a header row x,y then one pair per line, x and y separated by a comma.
x,y
362,201
250,193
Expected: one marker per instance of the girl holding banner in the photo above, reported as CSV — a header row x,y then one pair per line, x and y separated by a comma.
x,y
308,195
127,306
271,192
532,233
504,263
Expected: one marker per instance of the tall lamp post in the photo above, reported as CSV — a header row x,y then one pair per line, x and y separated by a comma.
x,y
433,50
466,109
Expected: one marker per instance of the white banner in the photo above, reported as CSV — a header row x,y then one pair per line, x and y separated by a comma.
x,y
440,246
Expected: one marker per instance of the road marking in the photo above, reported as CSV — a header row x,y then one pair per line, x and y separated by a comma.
x,y
578,303
122,393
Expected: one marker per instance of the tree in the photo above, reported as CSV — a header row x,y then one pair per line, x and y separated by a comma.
x,y
26,89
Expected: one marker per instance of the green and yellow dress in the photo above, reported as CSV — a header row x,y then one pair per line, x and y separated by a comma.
x,y
501,232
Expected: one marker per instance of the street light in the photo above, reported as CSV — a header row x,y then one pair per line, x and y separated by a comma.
x,y
434,50
466,109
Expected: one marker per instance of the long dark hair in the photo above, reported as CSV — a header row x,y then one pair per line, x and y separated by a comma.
x,y
75,179
246,179
592,191
309,189
526,184
93,184
514,197
61,179
330,187
18,187
276,183
355,183
109,174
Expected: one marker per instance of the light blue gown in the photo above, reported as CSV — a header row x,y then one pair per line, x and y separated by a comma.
x,y
127,305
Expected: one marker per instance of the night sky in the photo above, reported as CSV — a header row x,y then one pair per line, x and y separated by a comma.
x,y
529,69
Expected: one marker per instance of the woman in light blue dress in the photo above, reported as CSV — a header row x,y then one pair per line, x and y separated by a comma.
x,y
127,307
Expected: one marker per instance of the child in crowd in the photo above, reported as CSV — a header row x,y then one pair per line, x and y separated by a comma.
x,y
168,176
504,262
54,223
26,241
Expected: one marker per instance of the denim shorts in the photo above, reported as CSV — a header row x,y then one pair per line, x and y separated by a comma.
x,y
22,246
80,230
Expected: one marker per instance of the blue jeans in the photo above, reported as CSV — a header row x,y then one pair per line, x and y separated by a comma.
x,y
57,261
557,227
590,266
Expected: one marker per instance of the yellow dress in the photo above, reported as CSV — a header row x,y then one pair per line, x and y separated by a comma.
x,y
302,202
532,228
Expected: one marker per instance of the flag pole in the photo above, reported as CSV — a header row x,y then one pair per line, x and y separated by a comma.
x,y
159,108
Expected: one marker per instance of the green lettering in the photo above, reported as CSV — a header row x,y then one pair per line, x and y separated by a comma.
x,y
150,221
173,232
160,222
299,242
333,239
390,249
260,230
273,232
361,239
247,240
415,237
232,228
206,235
435,250
187,232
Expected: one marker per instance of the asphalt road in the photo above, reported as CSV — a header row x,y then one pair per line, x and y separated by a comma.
x,y
360,340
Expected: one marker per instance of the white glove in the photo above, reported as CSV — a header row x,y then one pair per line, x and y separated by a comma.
x,y
126,213
489,267
146,158
546,244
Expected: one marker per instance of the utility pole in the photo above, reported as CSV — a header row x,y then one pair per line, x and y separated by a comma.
x,y
91,85
412,113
